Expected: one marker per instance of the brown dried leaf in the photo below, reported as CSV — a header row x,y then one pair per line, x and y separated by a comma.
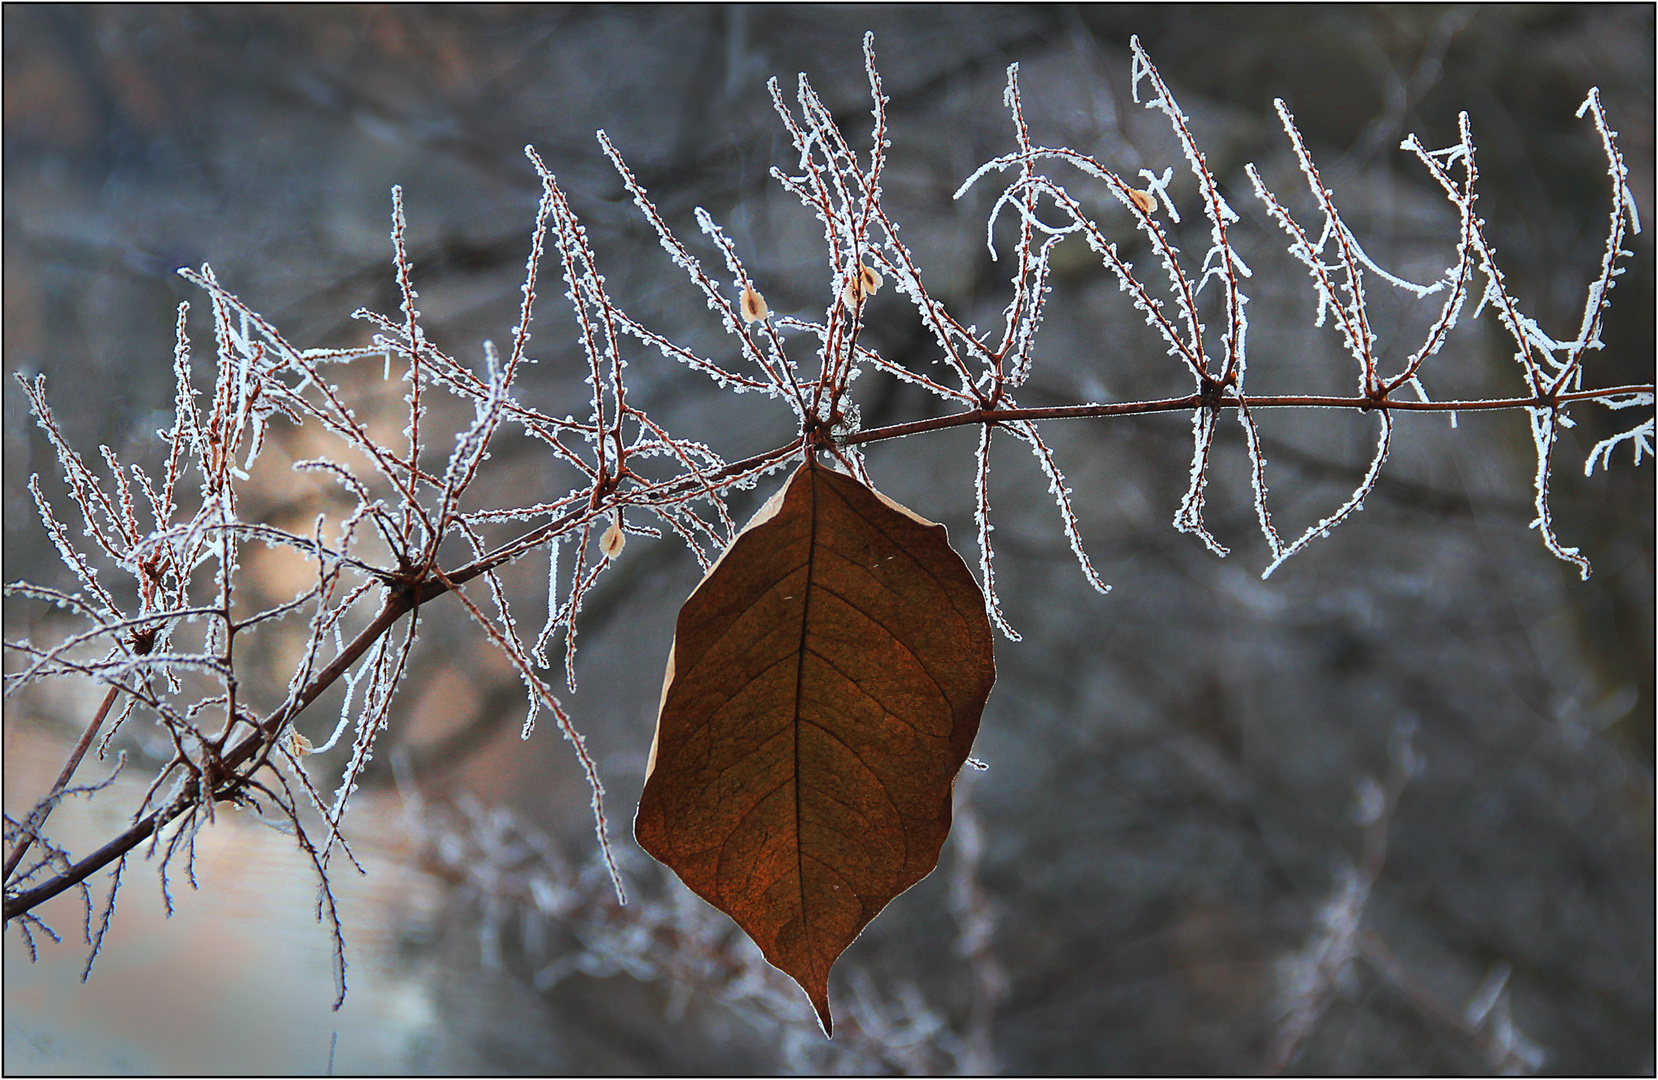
x,y
824,687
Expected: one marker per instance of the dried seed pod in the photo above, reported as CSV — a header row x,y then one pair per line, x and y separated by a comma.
x,y
867,284
299,745
1144,200
612,541
754,306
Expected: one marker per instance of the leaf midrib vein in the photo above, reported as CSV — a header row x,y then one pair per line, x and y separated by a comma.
x,y
799,679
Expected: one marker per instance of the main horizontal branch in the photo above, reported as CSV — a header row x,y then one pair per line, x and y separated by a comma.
x,y
400,602
1196,401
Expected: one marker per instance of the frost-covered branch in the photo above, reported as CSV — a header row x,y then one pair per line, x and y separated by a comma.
x,y
161,612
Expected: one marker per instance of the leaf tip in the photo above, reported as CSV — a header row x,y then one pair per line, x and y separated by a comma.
x,y
819,997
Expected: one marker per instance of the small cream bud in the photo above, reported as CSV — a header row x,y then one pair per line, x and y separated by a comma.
x,y
612,541
754,306
865,285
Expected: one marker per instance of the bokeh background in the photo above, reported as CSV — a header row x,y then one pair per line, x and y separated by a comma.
x,y
1173,768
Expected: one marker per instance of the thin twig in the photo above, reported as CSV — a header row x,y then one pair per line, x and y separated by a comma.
x,y
43,809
